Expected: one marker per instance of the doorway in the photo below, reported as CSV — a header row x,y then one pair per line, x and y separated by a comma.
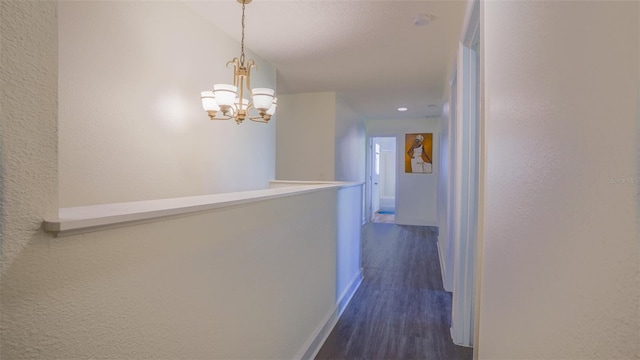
x,y
468,178
383,179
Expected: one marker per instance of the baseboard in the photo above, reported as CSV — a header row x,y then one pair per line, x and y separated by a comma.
x,y
442,267
347,294
320,335
453,339
313,345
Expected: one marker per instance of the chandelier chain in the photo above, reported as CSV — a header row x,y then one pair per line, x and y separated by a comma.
x,y
242,42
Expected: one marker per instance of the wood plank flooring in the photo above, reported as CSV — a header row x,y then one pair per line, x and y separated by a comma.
x,y
401,310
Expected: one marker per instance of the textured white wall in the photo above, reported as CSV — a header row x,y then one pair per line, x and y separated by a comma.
x,y
319,137
348,244
246,282
560,253
349,165
131,123
28,126
305,148
207,286
416,200
350,137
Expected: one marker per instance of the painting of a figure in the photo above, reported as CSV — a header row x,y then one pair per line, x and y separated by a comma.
x,y
419,152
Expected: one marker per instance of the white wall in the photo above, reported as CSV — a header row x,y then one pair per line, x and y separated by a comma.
x,y
350,153
416,200
239,282
445,238
130,76
211,285
388,169
348,244
560,251
28,129
388,178
305,148
319,137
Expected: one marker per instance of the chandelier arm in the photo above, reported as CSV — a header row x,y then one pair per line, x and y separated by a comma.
x,y
235,62
251,107
236,65
258,119
241,95
250,65
220,118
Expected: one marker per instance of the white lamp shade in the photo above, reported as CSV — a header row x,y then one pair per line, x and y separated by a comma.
x,y
262,98
272,108
209,101
224,94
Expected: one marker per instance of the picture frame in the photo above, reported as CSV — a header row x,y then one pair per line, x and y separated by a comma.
x,y
418,153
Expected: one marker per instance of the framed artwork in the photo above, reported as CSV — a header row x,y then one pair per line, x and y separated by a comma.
x,y
418,153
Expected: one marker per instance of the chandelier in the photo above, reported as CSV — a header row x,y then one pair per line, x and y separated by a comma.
x,y
227,102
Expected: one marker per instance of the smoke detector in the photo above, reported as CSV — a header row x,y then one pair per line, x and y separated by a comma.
x,y
423,19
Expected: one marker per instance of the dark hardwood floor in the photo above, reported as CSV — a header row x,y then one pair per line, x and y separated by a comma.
x,y
401,310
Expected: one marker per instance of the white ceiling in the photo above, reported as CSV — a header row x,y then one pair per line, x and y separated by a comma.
x,y
368,50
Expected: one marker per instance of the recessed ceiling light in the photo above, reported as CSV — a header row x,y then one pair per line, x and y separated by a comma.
x,y
402,109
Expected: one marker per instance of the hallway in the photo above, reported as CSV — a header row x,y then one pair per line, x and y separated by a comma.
x,y
401,310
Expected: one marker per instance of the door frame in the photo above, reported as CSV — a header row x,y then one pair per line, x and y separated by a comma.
x,y
369,173
468,179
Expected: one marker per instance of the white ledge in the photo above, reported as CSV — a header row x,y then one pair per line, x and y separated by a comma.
x,y
83,219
